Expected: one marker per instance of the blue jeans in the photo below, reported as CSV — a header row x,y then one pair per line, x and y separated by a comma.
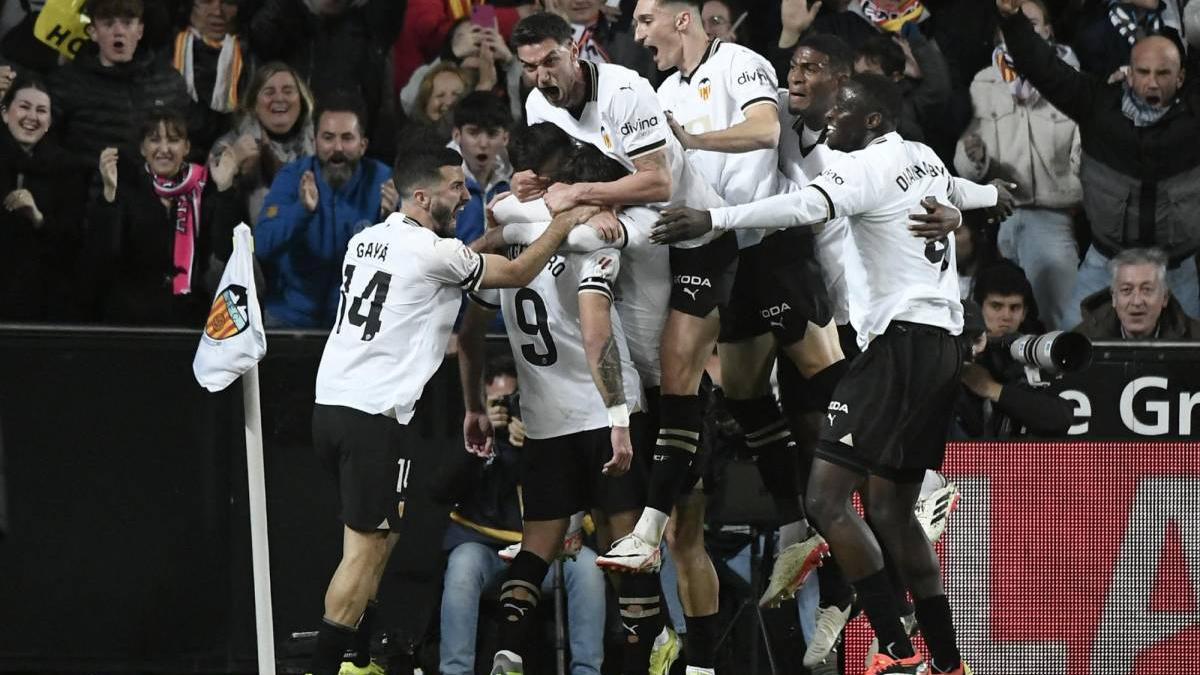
x,y
472,566
1042,242
1094,276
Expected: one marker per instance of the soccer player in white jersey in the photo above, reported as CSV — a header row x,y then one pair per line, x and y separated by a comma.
x,y
724,110
571,352
402,286
819,65
615,110
888,422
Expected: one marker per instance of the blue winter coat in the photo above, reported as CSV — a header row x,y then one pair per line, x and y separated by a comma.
x,y
301,252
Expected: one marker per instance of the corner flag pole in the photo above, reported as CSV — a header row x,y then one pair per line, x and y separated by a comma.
x,y
261,554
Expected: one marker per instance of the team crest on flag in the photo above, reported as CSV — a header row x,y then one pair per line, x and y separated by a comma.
x,y
230,313
705,89
233,340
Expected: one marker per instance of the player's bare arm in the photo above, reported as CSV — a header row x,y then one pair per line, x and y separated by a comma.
x,y
649,183
604,360
759,131
477,428
491,241
500,272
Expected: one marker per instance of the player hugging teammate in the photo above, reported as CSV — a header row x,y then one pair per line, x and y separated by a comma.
x,y
726,214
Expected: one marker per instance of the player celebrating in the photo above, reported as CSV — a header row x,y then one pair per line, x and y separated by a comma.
x,y
402,285
571,303
616,111
888,421
778,294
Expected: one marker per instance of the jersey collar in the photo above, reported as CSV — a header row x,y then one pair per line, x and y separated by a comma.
x,y
399,218
889,136
711,49
591,80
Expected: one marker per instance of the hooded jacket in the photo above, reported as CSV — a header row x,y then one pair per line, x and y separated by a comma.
x,y
1100,321
97,106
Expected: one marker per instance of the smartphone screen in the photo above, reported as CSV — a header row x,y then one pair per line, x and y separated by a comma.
x,y
484,16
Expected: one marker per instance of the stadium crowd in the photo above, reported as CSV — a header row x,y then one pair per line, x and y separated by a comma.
x,y
247,84
124,169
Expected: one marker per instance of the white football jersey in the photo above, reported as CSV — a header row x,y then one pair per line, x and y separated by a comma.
x,y
401,289
906,278
643,292
558,395
803,155
643,287
622,117
729,79
877,188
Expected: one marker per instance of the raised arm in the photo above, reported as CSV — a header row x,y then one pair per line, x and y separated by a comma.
x,y
1072,92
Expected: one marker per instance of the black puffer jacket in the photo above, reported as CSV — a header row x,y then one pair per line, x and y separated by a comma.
x,y
1141,185
38,265
96,106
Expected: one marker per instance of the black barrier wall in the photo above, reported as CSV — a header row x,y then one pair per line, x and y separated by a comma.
x,y
128,537
128,544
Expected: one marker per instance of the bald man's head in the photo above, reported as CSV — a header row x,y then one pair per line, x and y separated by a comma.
x,y
1155,70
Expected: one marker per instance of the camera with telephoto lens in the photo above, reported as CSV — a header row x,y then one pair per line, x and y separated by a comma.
x,y
1052,353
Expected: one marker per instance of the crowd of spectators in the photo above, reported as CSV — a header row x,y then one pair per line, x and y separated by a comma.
x,y
288,114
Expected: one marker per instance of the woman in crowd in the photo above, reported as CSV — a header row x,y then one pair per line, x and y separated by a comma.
x,y
41,186
158,226
443,85
274,129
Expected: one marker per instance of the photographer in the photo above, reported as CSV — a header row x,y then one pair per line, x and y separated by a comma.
x,y
999,402
485,519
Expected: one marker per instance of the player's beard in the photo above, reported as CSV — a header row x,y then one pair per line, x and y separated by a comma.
x,y
443,219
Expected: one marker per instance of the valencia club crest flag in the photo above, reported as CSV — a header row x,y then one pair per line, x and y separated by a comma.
x,y
233,339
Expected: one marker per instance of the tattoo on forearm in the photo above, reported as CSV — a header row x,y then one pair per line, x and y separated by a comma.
x,y
612,386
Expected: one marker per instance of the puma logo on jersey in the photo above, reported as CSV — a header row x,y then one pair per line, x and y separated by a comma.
x,y
916,172
775,310
775,323
639,125
692,292
372,249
